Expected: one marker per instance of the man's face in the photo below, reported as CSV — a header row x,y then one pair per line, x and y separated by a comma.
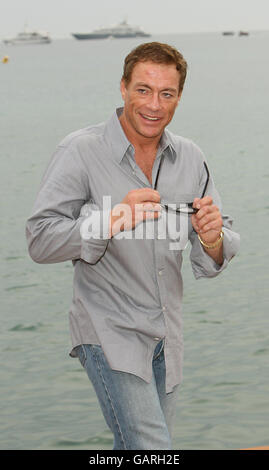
x,y
150,99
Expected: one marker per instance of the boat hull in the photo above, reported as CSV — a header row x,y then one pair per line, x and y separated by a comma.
x,y
82,36
24,43
130,35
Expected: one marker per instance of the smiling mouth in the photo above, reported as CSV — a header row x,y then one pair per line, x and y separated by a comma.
x,y
150,118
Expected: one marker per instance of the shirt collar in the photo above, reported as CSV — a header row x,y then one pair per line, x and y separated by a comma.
x,y
120,144
166,144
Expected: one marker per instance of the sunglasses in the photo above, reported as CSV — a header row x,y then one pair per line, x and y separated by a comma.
x,y
183,207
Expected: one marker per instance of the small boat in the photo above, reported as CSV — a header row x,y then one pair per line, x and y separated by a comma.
x,y
29,37
228,33
121,30
243,33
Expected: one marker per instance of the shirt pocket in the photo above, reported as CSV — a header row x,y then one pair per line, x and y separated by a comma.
x,y
179,224
181,198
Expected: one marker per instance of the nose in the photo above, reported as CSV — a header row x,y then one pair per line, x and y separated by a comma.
x,y
154,102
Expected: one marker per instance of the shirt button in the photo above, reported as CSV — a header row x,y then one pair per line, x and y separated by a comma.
x,y
160,273
157,339
164,308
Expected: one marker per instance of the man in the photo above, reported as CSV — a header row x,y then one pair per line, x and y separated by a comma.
x,y
125,318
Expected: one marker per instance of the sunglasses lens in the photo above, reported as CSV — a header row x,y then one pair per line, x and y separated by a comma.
x,y
182,208
187,210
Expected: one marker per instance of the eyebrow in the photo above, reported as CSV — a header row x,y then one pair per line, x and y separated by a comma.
x,y
147,86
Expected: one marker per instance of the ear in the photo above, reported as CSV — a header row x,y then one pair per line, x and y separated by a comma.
x,y
122,89
179,97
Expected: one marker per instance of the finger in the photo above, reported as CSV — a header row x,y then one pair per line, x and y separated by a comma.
x,y
205,201
208,217
196,203
204,211
211,229
146,194
194,223
148,207
214,224
152,215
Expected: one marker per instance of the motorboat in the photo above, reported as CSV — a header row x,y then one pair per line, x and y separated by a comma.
x,y
29,37
121,30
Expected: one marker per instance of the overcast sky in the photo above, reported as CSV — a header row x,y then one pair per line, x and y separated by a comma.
x,y
60,17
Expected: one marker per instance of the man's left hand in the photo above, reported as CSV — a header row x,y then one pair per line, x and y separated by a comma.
x,y
207,222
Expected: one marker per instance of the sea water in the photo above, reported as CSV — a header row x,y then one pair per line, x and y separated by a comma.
x,y
47,91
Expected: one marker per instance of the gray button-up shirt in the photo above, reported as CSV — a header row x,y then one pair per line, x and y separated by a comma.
x,y
127,290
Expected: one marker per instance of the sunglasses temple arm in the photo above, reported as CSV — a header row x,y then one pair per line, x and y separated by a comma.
x,y
165,206
207,179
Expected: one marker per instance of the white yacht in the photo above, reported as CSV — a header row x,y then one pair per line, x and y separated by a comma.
x,y
121,30
124,30
29,37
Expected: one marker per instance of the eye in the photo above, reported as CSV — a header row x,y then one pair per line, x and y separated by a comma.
x,y
142,91
167,95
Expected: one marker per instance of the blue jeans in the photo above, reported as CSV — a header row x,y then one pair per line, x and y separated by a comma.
x,y
138,413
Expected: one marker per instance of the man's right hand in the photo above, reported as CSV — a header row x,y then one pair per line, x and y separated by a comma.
x,y
138,205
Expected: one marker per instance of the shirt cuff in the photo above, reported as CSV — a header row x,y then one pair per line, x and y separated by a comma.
x,y
203,265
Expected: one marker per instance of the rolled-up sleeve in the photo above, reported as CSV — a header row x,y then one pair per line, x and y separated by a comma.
x,y
202,264
53,230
